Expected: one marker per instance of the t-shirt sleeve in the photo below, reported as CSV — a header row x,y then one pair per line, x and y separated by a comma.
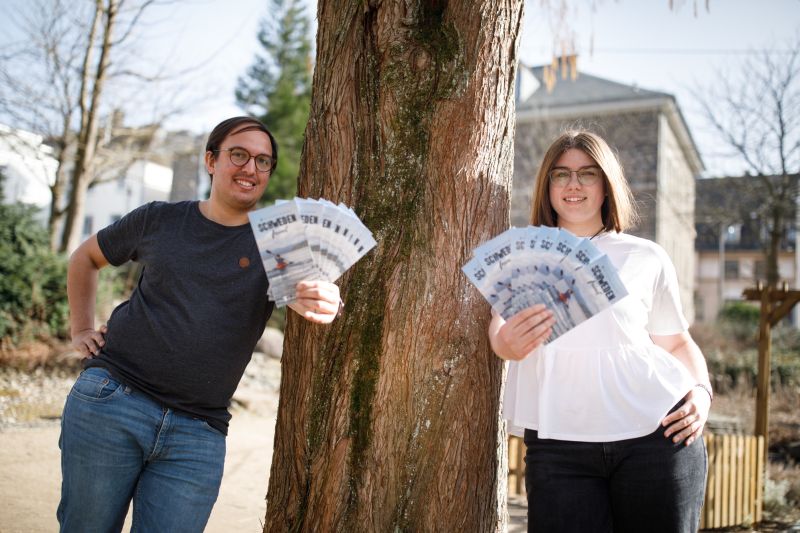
x,y
666,315
120,241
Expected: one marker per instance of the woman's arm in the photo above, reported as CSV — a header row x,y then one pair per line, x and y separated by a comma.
x,y
516,338
686,423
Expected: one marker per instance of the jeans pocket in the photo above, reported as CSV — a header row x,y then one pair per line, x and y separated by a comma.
x,y
95,384
211,428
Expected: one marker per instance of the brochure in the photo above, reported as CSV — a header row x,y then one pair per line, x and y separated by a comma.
x,y
307,239
523,267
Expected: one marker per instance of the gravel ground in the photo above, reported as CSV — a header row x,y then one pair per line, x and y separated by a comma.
x,y
33,399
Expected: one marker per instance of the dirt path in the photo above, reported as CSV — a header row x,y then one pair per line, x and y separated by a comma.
x,y
31,476
30,473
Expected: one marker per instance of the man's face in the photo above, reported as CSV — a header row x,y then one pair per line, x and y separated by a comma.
x,y
239,188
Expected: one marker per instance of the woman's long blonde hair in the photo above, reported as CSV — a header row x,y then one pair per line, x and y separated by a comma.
x,y
618,210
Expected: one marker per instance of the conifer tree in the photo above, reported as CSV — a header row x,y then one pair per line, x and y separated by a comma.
x,y
277,89
389,417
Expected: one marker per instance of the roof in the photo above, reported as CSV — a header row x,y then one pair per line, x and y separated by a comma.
x,y
585,89
579,94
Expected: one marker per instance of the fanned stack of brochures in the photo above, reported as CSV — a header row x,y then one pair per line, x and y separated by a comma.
x,y
306,239
522,267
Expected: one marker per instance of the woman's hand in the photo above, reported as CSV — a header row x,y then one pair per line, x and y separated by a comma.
x,y
317,301
686,423
516,338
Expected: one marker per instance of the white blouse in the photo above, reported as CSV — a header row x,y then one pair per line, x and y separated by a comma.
x,y
605,380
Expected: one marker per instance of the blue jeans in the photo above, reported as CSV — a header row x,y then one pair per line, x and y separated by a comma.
x,y
643,484
118,445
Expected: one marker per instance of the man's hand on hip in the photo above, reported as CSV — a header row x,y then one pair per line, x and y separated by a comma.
x,y
89,341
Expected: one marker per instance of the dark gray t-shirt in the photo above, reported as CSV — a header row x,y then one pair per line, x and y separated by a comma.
x,y
190,326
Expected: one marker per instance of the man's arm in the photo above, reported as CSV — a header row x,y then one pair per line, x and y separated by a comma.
x,y
84,264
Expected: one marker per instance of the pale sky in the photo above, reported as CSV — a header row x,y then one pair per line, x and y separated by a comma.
x,y
639,42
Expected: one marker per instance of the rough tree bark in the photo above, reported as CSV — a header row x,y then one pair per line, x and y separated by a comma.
x,y
388,419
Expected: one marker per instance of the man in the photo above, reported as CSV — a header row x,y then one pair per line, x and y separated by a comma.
x,y
146,420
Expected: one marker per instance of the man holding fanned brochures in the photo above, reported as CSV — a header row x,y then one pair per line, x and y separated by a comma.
x,y
146,420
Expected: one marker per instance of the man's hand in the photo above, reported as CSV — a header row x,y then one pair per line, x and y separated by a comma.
x,y
317,301
89,341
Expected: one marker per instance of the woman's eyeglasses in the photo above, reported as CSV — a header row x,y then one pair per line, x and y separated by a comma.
x,y
587,176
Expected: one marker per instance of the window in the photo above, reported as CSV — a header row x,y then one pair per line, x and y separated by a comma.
x,y
760,270
731,269
3,182
733,234
764,233
87,225
699,310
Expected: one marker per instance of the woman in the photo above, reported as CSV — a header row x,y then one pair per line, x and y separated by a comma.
x,y
613,410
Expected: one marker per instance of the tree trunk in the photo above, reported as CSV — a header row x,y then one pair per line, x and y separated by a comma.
x,y
56,200
57,189
388,418
93,81
774,248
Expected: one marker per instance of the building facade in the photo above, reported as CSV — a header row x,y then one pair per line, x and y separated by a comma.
x,y
155,166
143,181
28,166
140,165
732,221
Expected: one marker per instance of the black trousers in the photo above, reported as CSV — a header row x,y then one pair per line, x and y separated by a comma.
x,y
646,484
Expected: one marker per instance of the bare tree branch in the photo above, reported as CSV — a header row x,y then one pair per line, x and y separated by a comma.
x,y
74,65
755,112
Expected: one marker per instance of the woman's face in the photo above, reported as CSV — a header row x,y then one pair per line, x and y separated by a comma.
x,y
578,205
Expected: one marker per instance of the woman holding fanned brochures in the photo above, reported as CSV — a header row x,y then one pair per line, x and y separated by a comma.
x,y
612,409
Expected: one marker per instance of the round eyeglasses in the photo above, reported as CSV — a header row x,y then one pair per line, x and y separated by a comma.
x,y
240,157
587,176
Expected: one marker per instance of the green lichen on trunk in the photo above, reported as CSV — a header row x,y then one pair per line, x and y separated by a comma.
x,y
424,66
403,73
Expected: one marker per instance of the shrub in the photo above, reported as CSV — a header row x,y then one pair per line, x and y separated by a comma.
x,y
742,313
730,346
33,280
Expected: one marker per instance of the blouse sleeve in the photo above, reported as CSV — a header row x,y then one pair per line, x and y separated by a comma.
x,y
666,315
